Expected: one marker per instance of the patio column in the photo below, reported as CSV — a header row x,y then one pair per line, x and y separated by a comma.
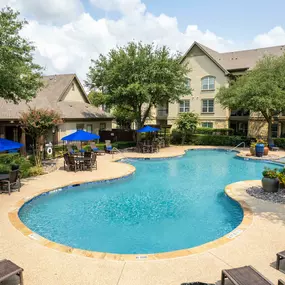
x,y
23,141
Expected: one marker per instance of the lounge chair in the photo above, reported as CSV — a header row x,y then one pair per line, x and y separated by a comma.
x,y
70,149
246,275
272,146
12,183
108,147
94,147
9,269
79,147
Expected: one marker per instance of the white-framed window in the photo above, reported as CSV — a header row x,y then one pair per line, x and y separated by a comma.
x,y
208,83
208,106
79,127
89,128
102,126
207,125
188,82
184,106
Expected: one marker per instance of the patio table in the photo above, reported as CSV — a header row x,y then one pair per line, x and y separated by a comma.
x,y
81,160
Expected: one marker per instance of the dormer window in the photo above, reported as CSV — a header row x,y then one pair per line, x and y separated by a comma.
x,y
208,83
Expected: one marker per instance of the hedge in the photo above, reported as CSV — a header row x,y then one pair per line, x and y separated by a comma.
x,y
279,142
198,139
211,131
26,166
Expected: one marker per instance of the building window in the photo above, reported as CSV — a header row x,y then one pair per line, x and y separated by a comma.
x,y
207,125
188,82
89,128
274,130
73,86
184,106
208,83
79,127
208,106
102,126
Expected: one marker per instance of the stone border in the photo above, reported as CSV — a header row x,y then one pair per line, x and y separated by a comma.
x,y
230,190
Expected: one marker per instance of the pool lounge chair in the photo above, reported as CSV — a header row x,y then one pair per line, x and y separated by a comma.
x,y
108,147
272,146
246,275
9,269
12,183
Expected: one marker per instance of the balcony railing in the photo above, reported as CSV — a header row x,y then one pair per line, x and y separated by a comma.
x,y
162,112
239,113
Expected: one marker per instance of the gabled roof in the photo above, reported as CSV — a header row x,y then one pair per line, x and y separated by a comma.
x,y
51,96
209,52
238,60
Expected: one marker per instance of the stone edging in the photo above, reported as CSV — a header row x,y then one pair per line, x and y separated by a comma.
x,y
230,190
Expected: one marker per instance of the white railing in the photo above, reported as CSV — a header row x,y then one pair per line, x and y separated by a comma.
x,y
242,143
114,148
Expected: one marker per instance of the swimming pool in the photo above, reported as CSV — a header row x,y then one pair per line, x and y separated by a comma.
x,y
166,205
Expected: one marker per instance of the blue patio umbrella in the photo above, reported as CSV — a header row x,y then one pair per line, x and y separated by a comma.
x,y
148,129
81,136
7,145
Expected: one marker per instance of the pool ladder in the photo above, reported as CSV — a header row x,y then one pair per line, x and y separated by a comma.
x,y
114,148
242,143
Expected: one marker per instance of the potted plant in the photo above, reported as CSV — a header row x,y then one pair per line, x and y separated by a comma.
x,y
252,148
266,149
270,181
259,148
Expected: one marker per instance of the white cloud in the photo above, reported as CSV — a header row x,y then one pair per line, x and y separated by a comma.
x,y
47,11
125,7
276,36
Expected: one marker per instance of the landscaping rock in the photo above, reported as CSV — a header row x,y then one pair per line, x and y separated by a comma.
x,y
259,193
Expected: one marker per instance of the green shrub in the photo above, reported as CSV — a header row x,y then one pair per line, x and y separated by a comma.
x,y
213,140
210,131
8,158
280,142
4,168
35,171
270,173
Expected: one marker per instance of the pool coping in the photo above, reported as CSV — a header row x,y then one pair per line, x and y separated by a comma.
x,y
230,191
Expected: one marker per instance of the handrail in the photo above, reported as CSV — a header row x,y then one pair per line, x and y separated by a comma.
x,y
114,148
237,146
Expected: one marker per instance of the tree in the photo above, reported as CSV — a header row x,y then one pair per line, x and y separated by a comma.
x,y
186,123
259,90
138,77
20,78
37,123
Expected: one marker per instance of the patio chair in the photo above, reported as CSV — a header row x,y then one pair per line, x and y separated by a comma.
x,y
94,161
272,146
155,147
246,275
73,165
13,182
9,269
87,160
66,160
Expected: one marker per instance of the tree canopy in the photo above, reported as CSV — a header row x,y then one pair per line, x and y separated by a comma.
x,y
261,89
186,123
137,77
20,77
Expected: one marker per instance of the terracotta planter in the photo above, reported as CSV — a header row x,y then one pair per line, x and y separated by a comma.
x,y
266,150
270,184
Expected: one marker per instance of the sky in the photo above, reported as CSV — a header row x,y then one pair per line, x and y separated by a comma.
x,y
67,34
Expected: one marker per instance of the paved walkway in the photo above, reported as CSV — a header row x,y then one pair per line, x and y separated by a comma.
x,y
43,266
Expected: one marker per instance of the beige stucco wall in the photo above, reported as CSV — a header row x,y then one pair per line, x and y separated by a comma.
x,y
70,127
74,93
202,66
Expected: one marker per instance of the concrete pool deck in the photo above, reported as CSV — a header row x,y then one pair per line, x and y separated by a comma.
x,y
256,246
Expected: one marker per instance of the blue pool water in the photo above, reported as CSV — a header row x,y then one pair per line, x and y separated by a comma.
x,y
166,205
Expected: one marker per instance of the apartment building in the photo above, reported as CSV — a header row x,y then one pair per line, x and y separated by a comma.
x,y
209,71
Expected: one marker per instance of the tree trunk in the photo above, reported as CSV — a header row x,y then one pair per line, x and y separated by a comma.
x,y
269,135
183,138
